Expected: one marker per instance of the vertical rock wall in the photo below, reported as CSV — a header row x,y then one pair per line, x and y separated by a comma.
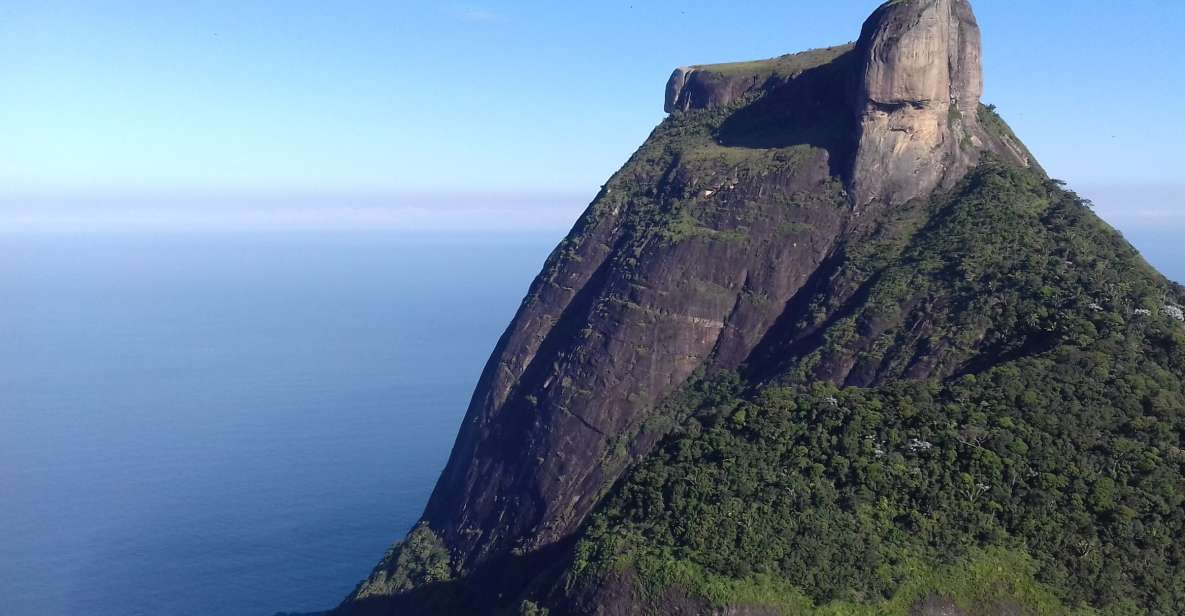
x,y
917,102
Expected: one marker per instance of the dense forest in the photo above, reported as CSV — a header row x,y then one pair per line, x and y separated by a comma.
x,y
831,342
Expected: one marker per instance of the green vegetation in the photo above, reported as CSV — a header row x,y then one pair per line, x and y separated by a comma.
x,y
995,125
1009,429
990,119
984,578
685,173
418,561
751,162
785,66
683,225
1006,264
1041,466
1047,473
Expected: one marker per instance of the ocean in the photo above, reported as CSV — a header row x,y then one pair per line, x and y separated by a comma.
x,y
1164,249
225,425
231,424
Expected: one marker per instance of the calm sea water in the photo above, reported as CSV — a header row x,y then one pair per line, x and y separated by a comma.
x,y
1163,249
230,425
236,425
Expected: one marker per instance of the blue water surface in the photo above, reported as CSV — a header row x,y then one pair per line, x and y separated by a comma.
x,y
1165,250
240,424
231,424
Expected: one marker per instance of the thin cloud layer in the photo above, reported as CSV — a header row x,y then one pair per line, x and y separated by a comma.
x,y
478,14
228,214
1159,207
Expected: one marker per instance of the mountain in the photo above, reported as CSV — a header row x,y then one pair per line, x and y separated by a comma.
x,y
830,342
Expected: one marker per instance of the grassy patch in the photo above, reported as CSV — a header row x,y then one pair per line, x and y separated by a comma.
x,y
1056,443
684,226
743,161
783,66
983,578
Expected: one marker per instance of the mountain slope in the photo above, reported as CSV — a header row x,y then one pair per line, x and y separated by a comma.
x,y
1057,452
855,347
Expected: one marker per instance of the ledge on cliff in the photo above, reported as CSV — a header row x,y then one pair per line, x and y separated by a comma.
x,y
911,87
784,330
704,86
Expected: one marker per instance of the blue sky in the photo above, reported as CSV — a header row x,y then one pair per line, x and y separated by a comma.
x,y
139,111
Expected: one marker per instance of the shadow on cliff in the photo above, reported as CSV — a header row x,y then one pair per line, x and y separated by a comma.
x,y
812,109
495,588
787,340
508,444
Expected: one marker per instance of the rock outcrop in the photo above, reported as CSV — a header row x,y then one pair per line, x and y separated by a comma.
x,y
718,247
611,327
920,81
915,95
718,85
625,312
689,259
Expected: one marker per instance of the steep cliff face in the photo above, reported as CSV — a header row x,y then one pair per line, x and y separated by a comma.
x,y
786,226
682,263
918,98
914,93
917,101
718,85
627,309
649,289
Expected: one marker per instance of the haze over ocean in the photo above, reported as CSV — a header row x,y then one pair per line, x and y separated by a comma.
x,y
233,424
260,414
253,256
215,116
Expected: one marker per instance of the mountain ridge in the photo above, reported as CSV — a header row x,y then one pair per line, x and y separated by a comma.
x,y
848,223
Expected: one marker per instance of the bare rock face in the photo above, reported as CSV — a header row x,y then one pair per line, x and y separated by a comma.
x,y
917,83
692,88
604,335
942,606
918,100
675,88
694,259
717,85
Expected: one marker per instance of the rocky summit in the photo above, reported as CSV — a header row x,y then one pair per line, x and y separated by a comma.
x,y
830,342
